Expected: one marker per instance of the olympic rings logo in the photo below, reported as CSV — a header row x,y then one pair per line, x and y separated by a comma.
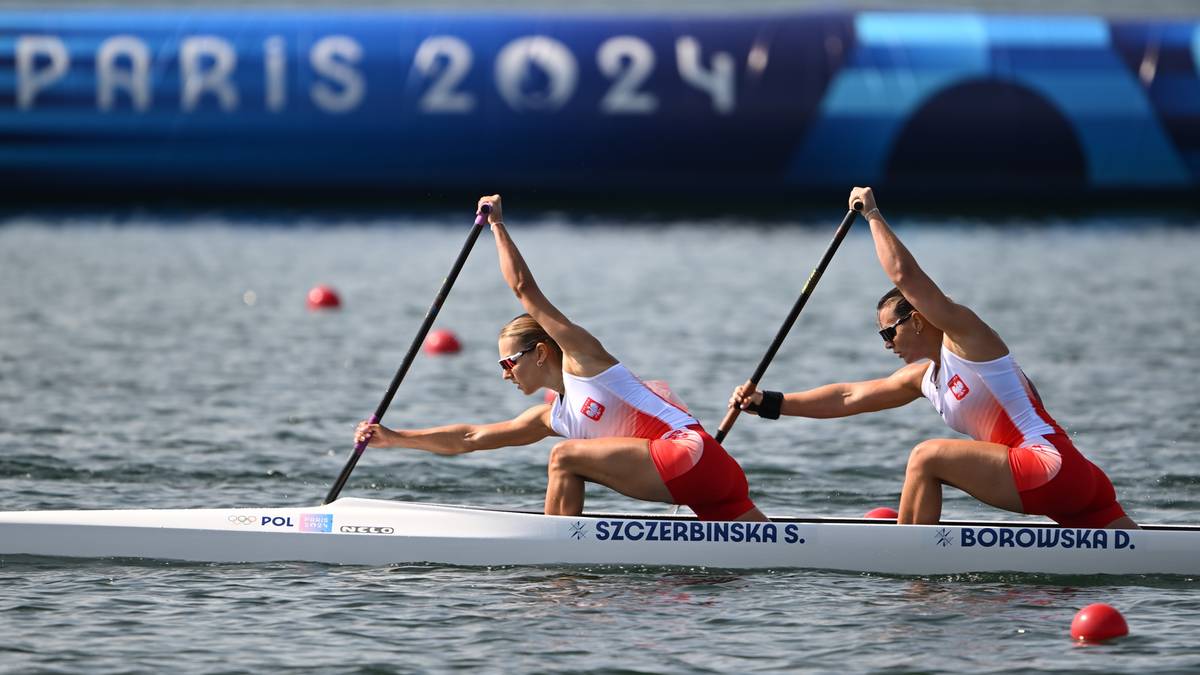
x,y
243,520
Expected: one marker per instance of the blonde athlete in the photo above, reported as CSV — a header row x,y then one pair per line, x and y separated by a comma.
x,y
635,439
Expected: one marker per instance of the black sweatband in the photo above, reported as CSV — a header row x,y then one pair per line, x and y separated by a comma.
x,y
772,402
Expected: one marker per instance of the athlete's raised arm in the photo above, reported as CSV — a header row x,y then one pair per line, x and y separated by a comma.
x,y
582,353
968,334
530,426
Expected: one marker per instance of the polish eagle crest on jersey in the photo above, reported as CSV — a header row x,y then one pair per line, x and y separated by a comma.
x,y
958,387
592,410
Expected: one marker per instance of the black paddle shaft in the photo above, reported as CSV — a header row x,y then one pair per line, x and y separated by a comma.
x,y
447,283
805,293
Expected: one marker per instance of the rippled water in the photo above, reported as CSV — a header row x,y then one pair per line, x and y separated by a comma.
x,y
173,364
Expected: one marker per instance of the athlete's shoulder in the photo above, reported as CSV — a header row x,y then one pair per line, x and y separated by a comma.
x,y
911,375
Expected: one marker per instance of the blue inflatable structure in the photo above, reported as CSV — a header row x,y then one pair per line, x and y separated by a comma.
x,y
379,100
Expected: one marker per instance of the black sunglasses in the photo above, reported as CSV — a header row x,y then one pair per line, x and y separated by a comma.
x,y
889,333
508,362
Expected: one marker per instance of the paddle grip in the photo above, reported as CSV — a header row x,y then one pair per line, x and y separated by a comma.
x,y
481,217
731,416
362,445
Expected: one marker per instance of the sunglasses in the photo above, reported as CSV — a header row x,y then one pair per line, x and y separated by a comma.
x,y
889,333
508,362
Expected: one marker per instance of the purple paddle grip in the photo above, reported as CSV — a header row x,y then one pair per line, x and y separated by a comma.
x,y
362,445
483,214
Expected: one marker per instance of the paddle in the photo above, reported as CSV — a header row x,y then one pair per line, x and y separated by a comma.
x,y
732,415
447,283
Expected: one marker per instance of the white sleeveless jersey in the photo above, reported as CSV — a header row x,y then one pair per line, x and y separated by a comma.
x,y
616,403
988,401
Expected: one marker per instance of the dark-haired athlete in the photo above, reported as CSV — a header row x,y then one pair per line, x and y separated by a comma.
x,y
1019,459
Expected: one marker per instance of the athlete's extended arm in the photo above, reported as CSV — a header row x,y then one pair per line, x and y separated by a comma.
x,y
530,426
582,353
975,339
844,398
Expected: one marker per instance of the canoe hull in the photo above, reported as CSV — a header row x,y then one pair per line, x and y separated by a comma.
x,y
375,532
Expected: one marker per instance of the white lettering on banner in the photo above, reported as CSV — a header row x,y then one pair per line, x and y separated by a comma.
x,y
134,80
31,79
199,79
532,74
275,73
552,58
628,61
334,57
718,82
448,59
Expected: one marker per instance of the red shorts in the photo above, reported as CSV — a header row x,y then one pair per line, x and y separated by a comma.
x,y
1078,495
701,475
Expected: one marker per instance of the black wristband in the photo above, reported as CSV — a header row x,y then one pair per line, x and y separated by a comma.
x,y
771,404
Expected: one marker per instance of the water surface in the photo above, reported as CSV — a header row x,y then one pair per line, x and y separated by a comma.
x,y
156,362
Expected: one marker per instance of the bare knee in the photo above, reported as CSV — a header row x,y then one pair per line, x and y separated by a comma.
x,y
561,457
923,458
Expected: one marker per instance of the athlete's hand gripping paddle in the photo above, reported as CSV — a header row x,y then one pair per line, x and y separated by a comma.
x,y
732,415
447,283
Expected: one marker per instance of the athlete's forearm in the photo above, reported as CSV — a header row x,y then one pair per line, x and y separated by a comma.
x,y
831,400
453,439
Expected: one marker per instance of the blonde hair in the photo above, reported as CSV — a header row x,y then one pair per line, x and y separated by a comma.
x,y
528,331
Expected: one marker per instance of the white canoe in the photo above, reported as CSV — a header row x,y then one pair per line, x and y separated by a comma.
x,y
376,532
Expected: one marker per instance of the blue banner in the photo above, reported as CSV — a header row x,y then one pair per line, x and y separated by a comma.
x,y
378,100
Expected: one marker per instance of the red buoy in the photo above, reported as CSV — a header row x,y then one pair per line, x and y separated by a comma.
x,y
1098,622
442,341
882,512
323,297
